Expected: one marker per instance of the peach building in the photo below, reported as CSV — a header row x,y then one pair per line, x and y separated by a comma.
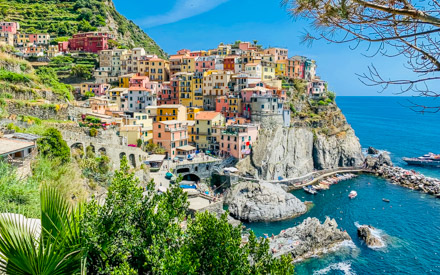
x,y
172,135
236,140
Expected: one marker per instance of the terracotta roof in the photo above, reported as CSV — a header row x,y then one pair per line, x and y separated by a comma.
x,y
155,59
206,115
252,64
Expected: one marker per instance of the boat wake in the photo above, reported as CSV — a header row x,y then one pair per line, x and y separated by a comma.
x,y
342,266
379,234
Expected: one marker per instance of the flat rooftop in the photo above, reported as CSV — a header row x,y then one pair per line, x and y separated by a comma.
x,y
198,203
10,146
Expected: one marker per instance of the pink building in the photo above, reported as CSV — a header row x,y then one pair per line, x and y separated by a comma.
x,y
205,63
168,95
237,140
139,81
11,27
63,47
184,52
172,135
33,38
222,104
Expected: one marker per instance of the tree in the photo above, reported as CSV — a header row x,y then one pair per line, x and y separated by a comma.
x,y
52,145
399,28
215,247
54,247
81,71
138,231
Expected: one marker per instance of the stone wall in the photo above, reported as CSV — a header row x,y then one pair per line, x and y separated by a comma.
x,y
42,111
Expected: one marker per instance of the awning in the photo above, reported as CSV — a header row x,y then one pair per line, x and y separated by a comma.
x,y
186,148
155,158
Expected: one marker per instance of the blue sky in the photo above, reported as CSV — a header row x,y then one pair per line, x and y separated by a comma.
x,y
203,24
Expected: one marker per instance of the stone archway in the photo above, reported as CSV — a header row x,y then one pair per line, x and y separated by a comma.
x,y
132,160
77,149
102,151
182,170
191,177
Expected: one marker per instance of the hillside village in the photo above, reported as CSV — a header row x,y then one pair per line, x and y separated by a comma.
x,y
205,102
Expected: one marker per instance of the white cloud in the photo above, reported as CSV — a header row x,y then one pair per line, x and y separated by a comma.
x,y
181,10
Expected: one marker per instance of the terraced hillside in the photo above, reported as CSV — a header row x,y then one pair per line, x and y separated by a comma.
x,y
62,18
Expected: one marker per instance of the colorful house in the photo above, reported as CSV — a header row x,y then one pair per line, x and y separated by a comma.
x,y
172,135
10,27
215,83
201,132
89,42
236,140
171,112
124,80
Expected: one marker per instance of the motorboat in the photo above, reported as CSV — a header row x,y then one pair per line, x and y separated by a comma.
x,y
352,195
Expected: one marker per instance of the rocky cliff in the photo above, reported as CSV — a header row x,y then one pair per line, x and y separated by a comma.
x,y
253,202
319,138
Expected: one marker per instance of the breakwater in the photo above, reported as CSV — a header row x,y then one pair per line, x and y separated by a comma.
x,y
409,179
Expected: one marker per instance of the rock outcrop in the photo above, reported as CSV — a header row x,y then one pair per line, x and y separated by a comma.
x,y
383,158
372,151
252,202
308,239
365,233
292,152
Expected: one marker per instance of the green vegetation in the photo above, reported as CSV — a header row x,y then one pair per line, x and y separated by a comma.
x,y
81,71
63,18
137,232
52,145
17,195
95,168
155,149
28,80
55,250
49,77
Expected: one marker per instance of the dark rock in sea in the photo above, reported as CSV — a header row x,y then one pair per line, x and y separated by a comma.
x,y
375,163
365,234
372,151
308,239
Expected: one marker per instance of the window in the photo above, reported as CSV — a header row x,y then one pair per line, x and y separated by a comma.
x,y
159,135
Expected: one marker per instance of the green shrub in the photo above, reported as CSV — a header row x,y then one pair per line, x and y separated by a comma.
x,y
52,145
93,132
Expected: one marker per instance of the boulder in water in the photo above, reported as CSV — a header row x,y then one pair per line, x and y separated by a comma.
x,y
253,202
365,233
372,151
308,239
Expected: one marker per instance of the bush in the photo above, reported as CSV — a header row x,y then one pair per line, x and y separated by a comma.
x,y
331,96
93,132
292,108
52,145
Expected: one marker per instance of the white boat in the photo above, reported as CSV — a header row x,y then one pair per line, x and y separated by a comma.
x,y
352,195
310,190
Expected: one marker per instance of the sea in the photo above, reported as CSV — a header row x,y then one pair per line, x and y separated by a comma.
x,y
409,224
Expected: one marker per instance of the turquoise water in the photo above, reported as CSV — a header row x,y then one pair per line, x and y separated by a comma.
x,y
409,224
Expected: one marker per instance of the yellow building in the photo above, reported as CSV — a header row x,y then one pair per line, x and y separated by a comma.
x,y
281,68
234,104
201,134
21,38
124,80
156,69
132,133
171,112
188,64
192,112
224,50
146,123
